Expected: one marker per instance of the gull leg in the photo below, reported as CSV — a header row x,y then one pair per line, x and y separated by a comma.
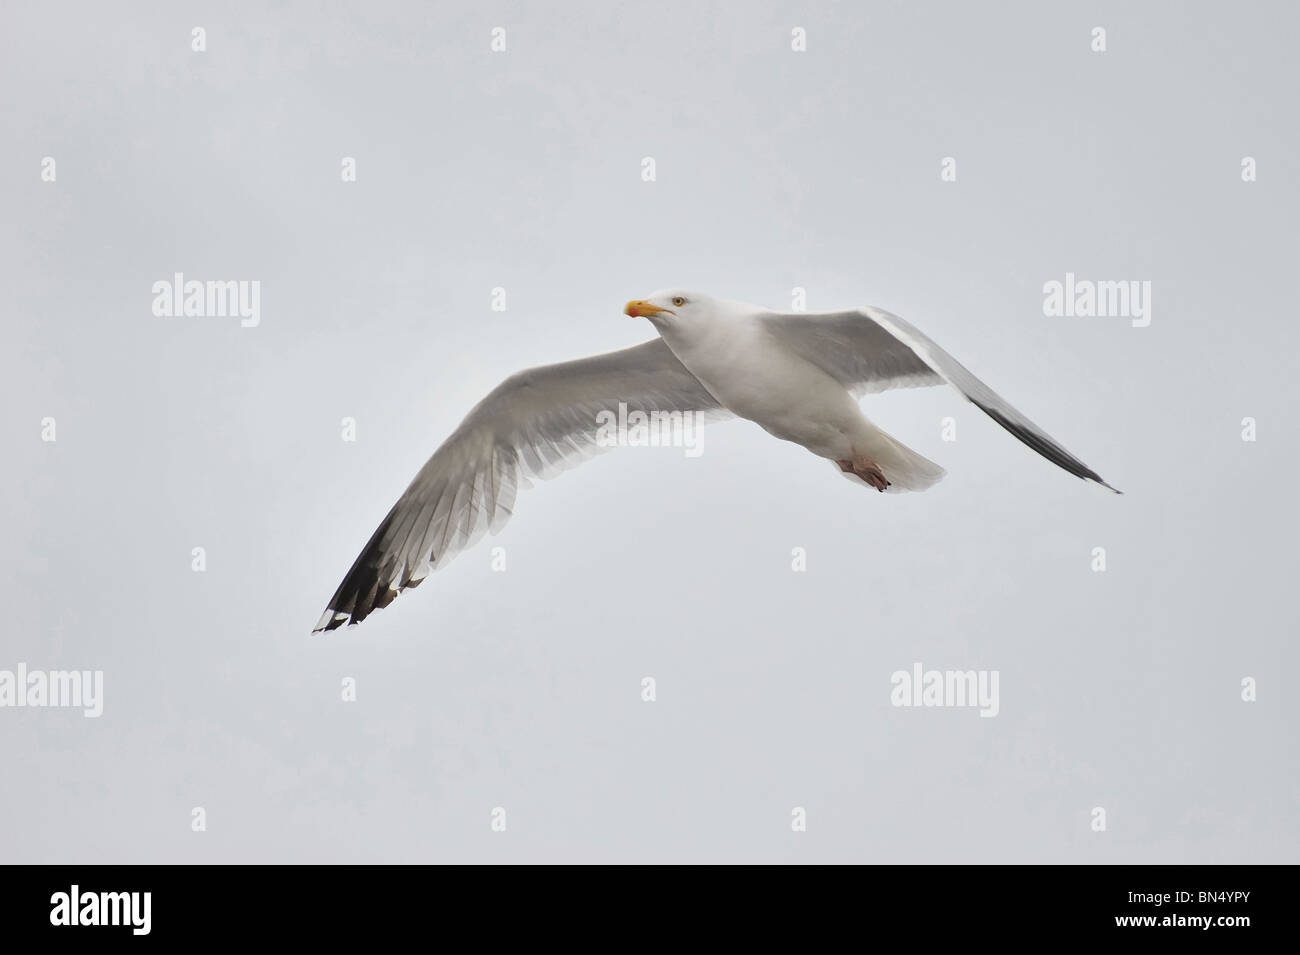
x,y
867,470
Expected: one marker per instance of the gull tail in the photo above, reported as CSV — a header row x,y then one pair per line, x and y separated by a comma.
x,y
904,469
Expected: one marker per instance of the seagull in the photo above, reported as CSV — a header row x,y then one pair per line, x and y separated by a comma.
x,y
798,376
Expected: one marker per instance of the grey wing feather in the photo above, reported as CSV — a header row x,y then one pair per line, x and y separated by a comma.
x,y
869,349
533,425
861,355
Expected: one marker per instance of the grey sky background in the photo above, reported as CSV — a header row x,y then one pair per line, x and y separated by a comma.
x,y
521,689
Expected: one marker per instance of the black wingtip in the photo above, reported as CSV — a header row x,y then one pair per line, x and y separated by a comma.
x,y
1045,446
329,620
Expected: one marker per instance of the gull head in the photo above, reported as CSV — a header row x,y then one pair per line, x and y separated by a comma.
x,y
672,307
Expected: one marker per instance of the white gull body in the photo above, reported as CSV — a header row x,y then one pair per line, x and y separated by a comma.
x,y
785,373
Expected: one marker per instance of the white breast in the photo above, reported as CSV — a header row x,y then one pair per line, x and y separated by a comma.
x,y
751,374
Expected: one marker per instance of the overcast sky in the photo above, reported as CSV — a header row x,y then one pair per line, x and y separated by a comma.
x,y
774,169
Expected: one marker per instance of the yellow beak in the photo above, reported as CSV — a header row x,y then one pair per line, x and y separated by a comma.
x,y
640,309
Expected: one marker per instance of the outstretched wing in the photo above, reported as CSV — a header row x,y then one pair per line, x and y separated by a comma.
x,y
533,425
869,349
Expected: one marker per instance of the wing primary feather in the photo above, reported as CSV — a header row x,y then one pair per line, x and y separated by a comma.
x,y
1053,452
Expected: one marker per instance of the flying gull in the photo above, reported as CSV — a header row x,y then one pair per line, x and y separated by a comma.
x,y
798,376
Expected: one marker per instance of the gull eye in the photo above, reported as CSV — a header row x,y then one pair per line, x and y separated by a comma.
x,y
679,301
